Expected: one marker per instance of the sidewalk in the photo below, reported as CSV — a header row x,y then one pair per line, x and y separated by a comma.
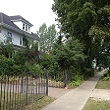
x,y
76,98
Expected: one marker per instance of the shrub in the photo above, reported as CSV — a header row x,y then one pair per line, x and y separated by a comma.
x,y
36,69
6,65
76,80
106,76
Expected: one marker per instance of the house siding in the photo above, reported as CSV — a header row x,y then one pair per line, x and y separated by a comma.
x,y
12,28
19,24
15,36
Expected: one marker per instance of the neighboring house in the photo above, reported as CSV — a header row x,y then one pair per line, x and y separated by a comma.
x,y
15,28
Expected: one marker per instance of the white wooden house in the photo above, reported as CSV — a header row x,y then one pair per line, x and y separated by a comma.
x,y
15,28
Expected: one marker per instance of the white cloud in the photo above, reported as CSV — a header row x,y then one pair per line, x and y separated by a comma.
x,y
35,11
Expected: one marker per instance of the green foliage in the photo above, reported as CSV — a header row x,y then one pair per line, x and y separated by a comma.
x,y
26,42
27,55
76,80
17,69
46,60
68,54
20,57
6,65
34,46
7,49
47,36
36,69
89,22
97,105
23,62
106,76
103,83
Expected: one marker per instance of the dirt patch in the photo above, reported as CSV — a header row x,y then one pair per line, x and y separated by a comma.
x,y
100,94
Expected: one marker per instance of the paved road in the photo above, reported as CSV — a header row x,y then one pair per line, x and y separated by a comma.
x,y
76,98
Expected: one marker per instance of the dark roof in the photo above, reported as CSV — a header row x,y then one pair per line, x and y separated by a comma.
x,y
35,36
6,20
19,18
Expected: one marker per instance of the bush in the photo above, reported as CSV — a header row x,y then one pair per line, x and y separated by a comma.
x,y
106,76
76,80
36,69
6,65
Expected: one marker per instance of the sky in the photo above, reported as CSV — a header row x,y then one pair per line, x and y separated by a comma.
x,y
35,11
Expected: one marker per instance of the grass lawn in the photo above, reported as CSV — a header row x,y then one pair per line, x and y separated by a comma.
x,y
103,84
10,100
97,105
38,105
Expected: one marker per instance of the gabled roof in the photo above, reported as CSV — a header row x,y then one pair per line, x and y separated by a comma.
x,y
6,20
19,18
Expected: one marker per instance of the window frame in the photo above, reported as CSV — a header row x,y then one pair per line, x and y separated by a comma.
x,y
21,40
9,36
23,26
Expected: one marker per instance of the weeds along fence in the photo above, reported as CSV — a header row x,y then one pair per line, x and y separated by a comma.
x,y
17,91
59,79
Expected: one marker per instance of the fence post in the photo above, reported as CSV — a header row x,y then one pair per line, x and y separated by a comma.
x,y
46,82
21,89
27,90
64,78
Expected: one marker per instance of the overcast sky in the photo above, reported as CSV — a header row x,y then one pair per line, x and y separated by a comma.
x,y
35,11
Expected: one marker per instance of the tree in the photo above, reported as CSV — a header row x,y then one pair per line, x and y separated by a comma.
x,y
6,65
51,37
7,49
43,36
47,37
101,35
30,55
69,54
88,21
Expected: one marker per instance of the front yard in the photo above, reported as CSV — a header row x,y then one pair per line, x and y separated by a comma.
x,y
103,84
99,104
38,105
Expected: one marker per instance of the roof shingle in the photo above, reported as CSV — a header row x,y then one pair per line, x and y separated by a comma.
x,y
6,20
18,17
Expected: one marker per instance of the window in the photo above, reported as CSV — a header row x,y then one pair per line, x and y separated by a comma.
x,y
26,27
9,36
23,26
21,40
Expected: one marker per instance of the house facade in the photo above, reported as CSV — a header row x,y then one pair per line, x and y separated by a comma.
x,y
15,29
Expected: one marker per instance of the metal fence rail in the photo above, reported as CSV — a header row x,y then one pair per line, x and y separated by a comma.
x,y
18,90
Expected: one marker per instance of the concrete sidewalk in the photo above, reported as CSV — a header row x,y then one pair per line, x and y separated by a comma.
x,y
76,98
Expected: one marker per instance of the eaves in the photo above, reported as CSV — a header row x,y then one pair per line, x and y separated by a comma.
x,y
19,31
